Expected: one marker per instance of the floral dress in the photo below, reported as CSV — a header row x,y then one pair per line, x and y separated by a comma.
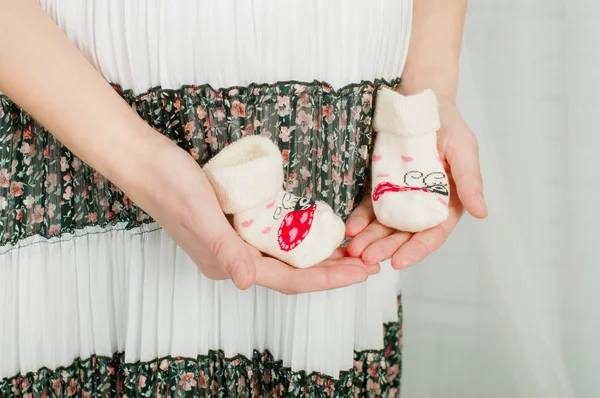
x,y
97,300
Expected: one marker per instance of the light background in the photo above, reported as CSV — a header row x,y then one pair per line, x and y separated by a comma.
x,y
509,307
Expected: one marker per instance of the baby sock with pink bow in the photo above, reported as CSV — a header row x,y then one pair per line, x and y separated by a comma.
x,y
410,190
247,177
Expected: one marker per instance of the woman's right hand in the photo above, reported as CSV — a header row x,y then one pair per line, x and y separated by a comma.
x,y
175,192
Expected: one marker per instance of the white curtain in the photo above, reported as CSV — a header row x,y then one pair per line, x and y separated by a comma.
x,y
510,307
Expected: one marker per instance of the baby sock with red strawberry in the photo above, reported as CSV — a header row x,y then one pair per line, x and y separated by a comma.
x,y
247,177
410,190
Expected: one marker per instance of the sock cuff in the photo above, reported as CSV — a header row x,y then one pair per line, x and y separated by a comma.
x,y
406,116
246,173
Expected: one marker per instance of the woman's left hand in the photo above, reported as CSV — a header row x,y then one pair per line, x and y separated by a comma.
x,y
459,152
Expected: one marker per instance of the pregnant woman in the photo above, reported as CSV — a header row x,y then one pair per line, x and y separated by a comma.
x,y
120,274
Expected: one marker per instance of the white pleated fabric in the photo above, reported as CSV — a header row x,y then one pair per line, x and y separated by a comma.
x,y
146,43
135,291
106,290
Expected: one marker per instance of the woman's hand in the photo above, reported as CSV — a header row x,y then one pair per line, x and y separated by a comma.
x,y
175,192
458,151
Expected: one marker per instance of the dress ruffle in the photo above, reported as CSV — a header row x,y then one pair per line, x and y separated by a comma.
x,y
374,374
324,134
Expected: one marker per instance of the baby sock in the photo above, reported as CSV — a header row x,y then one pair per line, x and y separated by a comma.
x,y
247,177
410,187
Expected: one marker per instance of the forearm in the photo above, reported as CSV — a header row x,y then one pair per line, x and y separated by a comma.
x,y
434,48
43,72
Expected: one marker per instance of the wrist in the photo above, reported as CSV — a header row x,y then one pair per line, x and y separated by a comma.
x,y
443,82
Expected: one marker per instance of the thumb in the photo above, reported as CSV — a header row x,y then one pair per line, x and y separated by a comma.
x,y
463,158
232,252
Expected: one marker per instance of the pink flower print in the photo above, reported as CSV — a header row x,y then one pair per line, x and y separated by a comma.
x,y
359,366
283,105
16,188
349,178
202,380
164,365
19,216
4,177
372,371
116,207
329,113
104,203
190,127
194,153
27,135
367,100
50,210
356,110
54,229
285,134
363,152
208,124
372,386
47,151
200,112
177,104
304,173
72,388
28,201
214,387
76,164
367,121
304,120
285,154
326,88
26,148
57,386
3,203
238,109
63,164
128,203
343,121
98,179
300,88
329,387
233,91
304,100
51,181
335,159
392,372
141,381
292,182
93,217
219,114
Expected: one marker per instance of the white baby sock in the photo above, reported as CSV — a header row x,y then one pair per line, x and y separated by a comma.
x,y
247,177
410,187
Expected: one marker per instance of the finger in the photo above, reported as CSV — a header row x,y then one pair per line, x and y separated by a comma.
x,y
385,248
274,274
360,218
463,158
421,244
370,234
371,268
232,252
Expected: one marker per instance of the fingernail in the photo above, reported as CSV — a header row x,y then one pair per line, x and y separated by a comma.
x,y
403,264
482,202
239,274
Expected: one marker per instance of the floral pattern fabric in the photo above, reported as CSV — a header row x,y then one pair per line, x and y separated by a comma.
x,y
325,137
374,374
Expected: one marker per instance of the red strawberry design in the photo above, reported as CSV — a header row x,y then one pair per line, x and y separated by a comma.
x,y
296,224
